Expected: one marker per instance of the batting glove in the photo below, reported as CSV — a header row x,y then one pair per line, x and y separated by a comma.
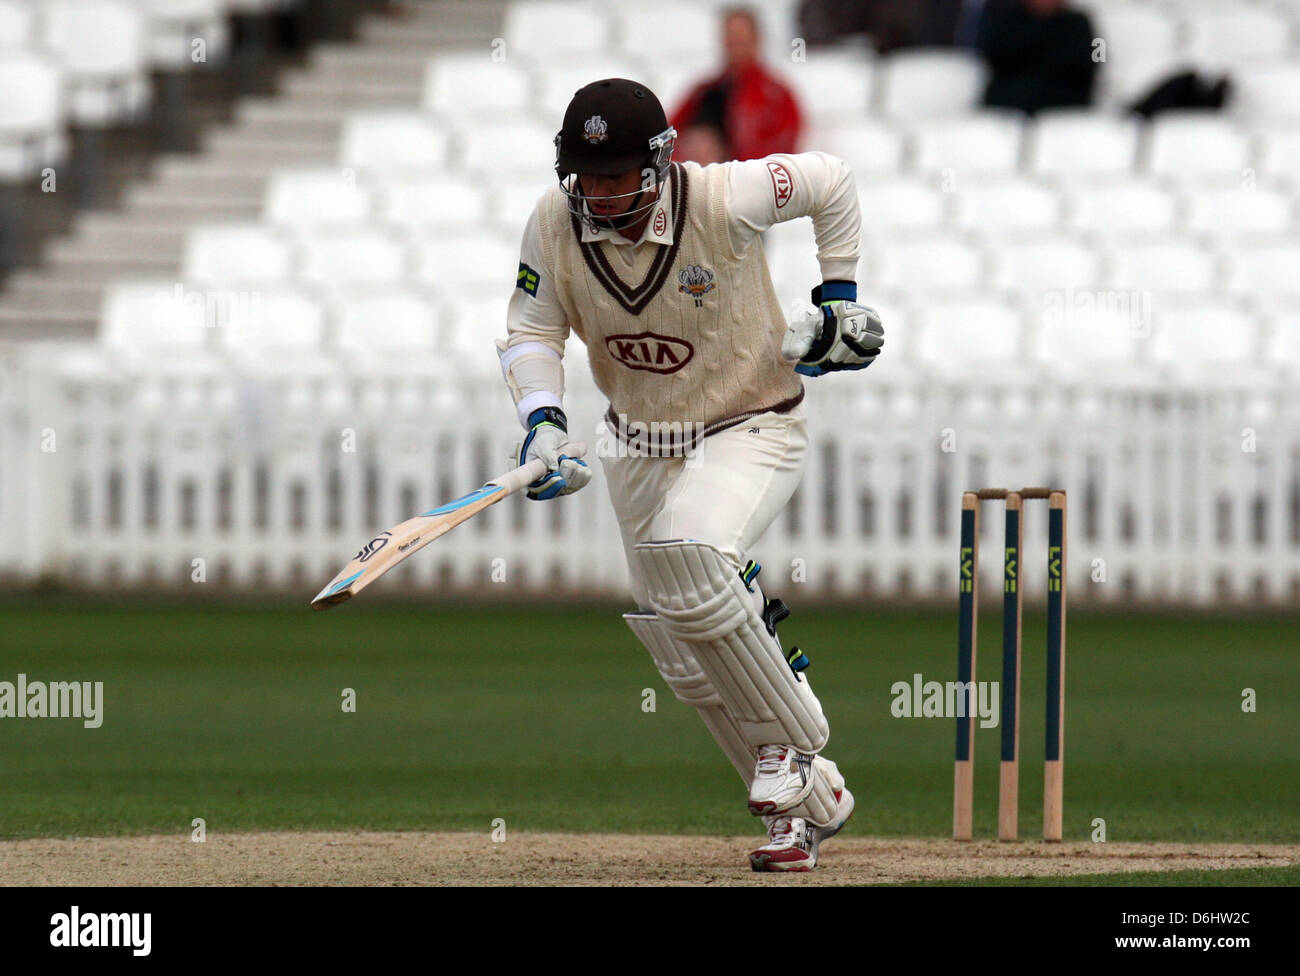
x,y
548,434
841,334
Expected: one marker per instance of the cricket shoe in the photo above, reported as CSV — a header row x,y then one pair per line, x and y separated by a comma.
x,y
783,778
793,843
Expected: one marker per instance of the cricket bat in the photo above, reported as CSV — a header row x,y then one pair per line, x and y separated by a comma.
x,y
389,548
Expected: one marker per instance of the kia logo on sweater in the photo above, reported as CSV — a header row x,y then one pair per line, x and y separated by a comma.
x,y
655,353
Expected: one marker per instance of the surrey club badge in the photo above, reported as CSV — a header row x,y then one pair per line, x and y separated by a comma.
x,y
695,281
594,130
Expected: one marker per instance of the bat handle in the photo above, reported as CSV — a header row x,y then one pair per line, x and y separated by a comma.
x,y
512,481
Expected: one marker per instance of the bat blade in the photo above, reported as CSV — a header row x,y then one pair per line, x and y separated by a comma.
x,y
389,548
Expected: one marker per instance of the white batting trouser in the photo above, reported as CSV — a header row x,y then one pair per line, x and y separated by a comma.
x,y
726,494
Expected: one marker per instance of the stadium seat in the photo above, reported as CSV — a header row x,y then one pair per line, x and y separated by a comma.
x,y
235,254
1229,209
466,89
512,202
495,150
919,264
1142,48
17,24
313,197
555,32
1195,144
435,200
1094,338
901,203
344,259
560,80
474,325
961,334
466,266
1012,204
31,118
832,88
868,145
1162,264
1074,144
1283,343
389,142
981,143
1266,270
395,328
154,319
279,331
106,80
1207,341
685,35
1279,152
1228,38
1121,206
173,26
1268,90
1030,268
929,83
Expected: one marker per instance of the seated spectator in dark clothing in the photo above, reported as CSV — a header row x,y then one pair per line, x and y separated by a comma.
x,y
742,113
1040,53
891,24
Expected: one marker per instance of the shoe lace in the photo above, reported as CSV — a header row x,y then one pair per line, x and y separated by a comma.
x,y
771,760
780,826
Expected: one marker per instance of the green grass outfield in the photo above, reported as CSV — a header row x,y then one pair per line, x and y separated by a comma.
x,y
535,715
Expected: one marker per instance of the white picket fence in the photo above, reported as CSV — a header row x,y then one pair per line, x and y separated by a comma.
x,y
156,475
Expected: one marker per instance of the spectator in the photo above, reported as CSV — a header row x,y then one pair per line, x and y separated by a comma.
x,y
744,112
1040,54
892,24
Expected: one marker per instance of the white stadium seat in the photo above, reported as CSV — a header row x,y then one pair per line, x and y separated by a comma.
x,y
831,88
154,317
343,259
1279,151
474,326
868,145
384,142
1228,38
281,329
1030,268
1268,90
919,264
1076,143
31,116
1206,340
392,327
497,149
1122,206
929,83
560,80
1164,264
685,35
173,26
901,203
236,254
435,200
1229,209
17,24
1012,204
469,88
466,266
982,143
970,336
1194,144
313,197
513,201
107,80
556,31
1141,48
1094,337
1266,270
1283,346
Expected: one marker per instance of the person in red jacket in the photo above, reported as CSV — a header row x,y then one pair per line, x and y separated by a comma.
x,y
743,113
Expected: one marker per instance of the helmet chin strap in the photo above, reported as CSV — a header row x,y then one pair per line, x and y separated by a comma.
x,y
630,216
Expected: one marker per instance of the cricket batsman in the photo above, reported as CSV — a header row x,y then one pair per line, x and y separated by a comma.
x,y
659,268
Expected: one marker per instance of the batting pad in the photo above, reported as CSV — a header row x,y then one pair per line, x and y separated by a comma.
x,y
703,602
682,673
